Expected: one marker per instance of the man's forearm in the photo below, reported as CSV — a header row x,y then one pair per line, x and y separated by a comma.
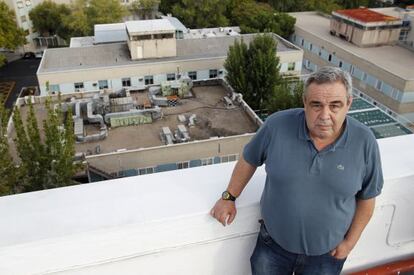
x,y
242,173
363,213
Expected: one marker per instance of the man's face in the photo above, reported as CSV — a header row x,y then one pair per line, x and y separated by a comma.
x,y
326,106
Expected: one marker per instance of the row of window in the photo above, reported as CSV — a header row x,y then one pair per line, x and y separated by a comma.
x,y
126,82
178,165
352,69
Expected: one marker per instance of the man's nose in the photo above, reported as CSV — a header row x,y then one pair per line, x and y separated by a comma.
x,y
325,113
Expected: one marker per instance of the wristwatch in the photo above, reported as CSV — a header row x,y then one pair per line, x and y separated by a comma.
x,y
227,196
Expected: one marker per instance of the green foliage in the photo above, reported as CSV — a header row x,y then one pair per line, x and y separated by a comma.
x,y
144,8
286,95
253,72
251,16
46,163
8,171
104,11
166,5
47,18
78,19
201,13
236,67
77,22
11,36
263,69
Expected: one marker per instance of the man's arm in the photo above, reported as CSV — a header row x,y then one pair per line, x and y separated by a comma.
x,y
225,211
363,213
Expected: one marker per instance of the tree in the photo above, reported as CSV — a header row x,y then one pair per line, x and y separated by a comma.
x,y
202,13
255,17
48,163
8,171
60,147
263,69
166,5
77,23
144,8
286,95
48,18
236,66
104,12
30,151
253,71
11,36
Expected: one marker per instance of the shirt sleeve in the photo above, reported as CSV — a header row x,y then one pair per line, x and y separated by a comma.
x,y
255,152
373,180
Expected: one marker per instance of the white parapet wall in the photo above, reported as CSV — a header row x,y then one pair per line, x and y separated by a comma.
x,y
160,223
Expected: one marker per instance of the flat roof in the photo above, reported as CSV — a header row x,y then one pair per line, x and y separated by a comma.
x,y
395,60
149,26
109,27
117,54
366,15
213,120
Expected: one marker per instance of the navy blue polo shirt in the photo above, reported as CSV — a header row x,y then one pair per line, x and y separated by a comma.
x,y
309,197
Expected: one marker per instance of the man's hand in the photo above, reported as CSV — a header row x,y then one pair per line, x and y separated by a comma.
x,y
224,211
342,250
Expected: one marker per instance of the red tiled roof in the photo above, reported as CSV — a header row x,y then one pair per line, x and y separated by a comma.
x,y
366,15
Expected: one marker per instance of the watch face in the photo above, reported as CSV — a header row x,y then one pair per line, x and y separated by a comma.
x,y
227,196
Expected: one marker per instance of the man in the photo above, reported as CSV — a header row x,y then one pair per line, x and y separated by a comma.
x,y
323,174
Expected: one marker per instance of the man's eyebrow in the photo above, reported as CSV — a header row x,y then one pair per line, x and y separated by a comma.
x,y
336,102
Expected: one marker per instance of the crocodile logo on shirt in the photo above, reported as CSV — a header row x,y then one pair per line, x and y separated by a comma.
x,y
340,167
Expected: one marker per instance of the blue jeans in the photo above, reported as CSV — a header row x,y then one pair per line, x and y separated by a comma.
x,y
270,259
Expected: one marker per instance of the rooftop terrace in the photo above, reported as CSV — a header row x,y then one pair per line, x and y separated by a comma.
x,y
212,120
366,15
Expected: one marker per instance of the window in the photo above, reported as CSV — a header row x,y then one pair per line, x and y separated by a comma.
x,y
163,35
149,80
23,18
291,66
126,82
364,76
229,158
78,86
213,73
192,75
302,42
330,57
340,64
141,37
170,77
294,38
54,88
183,165
147,170
207,161
379,85
310,47
103,84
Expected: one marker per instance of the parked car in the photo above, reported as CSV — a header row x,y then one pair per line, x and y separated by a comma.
x,y
29,55
39,54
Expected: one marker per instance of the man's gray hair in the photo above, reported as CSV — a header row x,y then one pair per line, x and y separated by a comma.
x,y
330,75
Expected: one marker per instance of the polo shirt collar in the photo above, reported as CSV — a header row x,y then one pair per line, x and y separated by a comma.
x,y
341,142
